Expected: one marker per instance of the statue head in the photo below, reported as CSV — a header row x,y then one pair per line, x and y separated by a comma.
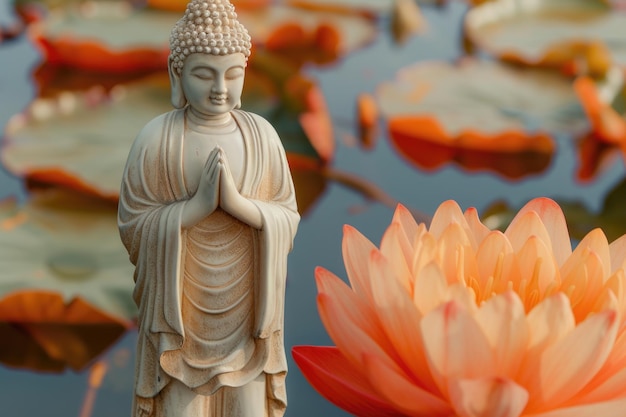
x,y
209,49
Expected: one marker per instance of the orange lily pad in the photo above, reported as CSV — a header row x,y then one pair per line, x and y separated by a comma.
x,y
605,106
63,263
105,37
477,108
298,31
577,36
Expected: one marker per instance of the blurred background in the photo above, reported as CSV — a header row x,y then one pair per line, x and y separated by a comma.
x,y
377,102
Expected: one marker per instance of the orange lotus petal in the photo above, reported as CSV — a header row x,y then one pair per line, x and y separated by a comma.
x,y
611,408
396,248
356,249
497,266
549,322
398,316
617,251
503,321
478,229
359,324
407,397
457,255
554,223
497,397
341,383
448,212
455,345
430,288
566,366
539,273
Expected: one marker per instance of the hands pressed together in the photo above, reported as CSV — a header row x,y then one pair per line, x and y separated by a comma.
x,y
217,189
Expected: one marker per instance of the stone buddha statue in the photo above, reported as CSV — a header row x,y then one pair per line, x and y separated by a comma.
x,y
208,215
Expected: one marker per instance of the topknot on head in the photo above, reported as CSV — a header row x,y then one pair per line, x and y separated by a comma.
x,y
210,27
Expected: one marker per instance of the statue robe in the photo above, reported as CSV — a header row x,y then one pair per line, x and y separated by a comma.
x,y
152,198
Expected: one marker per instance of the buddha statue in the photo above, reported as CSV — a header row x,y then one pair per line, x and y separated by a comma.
x,y
207,212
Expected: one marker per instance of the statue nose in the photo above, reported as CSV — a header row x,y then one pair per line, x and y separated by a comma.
x,y
219,87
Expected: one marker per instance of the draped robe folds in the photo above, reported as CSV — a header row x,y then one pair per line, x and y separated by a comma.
x,y
152,198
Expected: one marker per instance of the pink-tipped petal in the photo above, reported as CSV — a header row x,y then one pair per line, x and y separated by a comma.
x,y
595,242
479,230
399,318
449,213
555,225
356,250
487,397
405,219
455,344
350,322
337,380
408,398
503,320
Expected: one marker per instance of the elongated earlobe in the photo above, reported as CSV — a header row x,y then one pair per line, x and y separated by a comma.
x,y
238,105
178,96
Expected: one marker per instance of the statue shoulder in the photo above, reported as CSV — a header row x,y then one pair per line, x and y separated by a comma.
x,y
152,133
262,124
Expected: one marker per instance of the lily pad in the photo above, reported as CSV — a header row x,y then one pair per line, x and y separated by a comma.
x,y
295,30
105,37
560,33
63,245
82,140
604,103
53,345
478,107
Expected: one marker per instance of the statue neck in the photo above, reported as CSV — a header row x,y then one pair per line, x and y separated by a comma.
x,y
213,124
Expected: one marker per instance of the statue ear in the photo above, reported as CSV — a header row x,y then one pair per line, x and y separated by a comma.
x,y
178,96
238,105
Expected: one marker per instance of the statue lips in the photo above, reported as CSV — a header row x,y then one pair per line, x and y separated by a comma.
x,y
218,99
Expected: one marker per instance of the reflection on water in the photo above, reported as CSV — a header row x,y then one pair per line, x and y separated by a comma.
x,y
47,368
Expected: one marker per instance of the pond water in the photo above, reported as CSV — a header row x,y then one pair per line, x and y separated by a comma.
x,y
25,392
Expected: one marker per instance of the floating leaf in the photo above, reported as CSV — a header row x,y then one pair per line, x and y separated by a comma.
x,y
605,106
82,140
320,35
478,107
105,37
54,344
67,245
578,36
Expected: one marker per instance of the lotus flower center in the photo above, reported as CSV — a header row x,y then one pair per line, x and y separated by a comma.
x,y
73,266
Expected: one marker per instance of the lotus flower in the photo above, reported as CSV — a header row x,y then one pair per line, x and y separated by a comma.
x,y
460,320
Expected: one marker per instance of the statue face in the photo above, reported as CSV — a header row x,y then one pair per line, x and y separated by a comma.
x,y
212,84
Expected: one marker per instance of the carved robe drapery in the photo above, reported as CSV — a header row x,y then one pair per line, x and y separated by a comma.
x,y
152,198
